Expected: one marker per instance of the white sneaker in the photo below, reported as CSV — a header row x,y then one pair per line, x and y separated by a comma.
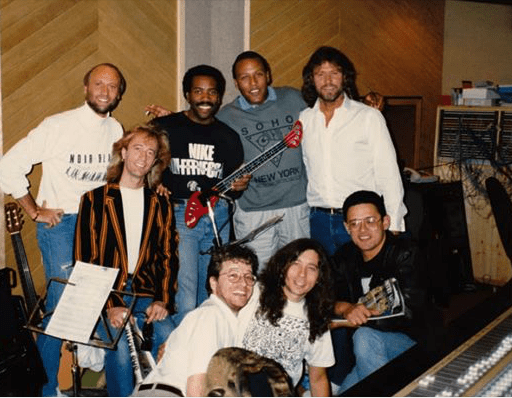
x,y
335,389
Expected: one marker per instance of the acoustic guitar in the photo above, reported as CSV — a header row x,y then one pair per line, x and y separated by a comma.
x,y
196,204
14,223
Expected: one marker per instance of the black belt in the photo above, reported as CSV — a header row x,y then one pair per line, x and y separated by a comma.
x,y
164,387
180,201
330,210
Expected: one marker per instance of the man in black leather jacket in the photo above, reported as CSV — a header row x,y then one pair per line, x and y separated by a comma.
x,y
373,256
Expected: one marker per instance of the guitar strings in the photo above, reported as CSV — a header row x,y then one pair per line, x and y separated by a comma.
x,y
225,185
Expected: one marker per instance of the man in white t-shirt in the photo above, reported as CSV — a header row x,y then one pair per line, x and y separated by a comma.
x,y
126,225
203,331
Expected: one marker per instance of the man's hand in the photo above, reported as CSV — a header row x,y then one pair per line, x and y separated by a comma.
x,y
161,352
40,214
50,216
116,316
241,183
358,314
156,110
156,312
163,191
375,100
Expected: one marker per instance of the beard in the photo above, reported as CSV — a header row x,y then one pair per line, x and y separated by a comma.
x,y
194,107
330,97
105,109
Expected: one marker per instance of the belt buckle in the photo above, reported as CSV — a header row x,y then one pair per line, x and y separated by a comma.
x,y
161,387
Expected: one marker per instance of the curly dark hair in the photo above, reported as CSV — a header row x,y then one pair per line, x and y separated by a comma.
x,y
252,55
333,56
319,300
226,253
204,70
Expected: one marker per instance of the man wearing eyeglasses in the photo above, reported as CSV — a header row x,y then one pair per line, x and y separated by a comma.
x,y
373,256
208,328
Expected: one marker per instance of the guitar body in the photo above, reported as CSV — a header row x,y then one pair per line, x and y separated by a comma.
x,y
195,209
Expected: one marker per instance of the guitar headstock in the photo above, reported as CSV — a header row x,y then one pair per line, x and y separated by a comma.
x,y
294,137
13,218
376,299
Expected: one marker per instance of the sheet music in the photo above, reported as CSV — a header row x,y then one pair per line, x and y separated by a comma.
x,y
81,302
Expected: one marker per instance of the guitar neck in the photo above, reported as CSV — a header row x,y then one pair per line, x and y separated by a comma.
x,y
27,283
225,185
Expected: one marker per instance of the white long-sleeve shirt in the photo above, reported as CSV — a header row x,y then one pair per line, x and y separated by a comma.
x,y
354,152
74,148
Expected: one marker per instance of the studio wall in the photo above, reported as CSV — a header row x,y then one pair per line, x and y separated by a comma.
x,y
395,45
48,46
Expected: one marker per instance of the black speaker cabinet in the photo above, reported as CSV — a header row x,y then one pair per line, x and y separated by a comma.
x,y
441,229
21,368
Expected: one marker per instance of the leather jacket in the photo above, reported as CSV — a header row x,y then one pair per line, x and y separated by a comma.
x,y
399,258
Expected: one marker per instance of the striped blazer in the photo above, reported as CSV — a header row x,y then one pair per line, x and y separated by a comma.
x,y
100,239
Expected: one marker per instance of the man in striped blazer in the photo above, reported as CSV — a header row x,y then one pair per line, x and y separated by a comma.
x,y
126,225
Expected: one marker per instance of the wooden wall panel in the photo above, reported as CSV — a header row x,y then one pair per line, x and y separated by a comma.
x,y
141,37
47,47
395,45
3,232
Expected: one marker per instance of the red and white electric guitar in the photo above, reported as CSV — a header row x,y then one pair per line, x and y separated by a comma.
x,y
195,209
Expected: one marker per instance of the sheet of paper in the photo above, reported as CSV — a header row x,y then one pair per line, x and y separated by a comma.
x,y
81,302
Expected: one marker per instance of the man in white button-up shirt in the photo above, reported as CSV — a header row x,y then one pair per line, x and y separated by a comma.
x,y
346,148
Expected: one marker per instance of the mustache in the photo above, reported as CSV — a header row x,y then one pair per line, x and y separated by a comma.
x,y
205,103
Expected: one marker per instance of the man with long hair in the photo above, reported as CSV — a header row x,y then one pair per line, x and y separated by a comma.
x,y
126,225
346,148
74,150
288,317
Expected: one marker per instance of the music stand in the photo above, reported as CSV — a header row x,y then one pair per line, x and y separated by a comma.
x,y
251,235
35,324
256,231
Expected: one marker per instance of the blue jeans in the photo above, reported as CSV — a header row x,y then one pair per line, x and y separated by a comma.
x,y
343,355
328,229
373,349
118,365
56,246
193,265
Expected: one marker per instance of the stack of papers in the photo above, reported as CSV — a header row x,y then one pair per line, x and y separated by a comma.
x,y
481,96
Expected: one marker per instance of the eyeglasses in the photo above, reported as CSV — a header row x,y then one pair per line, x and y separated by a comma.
x,y
234,277
369,222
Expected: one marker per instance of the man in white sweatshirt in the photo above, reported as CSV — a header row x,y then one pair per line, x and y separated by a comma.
x,y
74,149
